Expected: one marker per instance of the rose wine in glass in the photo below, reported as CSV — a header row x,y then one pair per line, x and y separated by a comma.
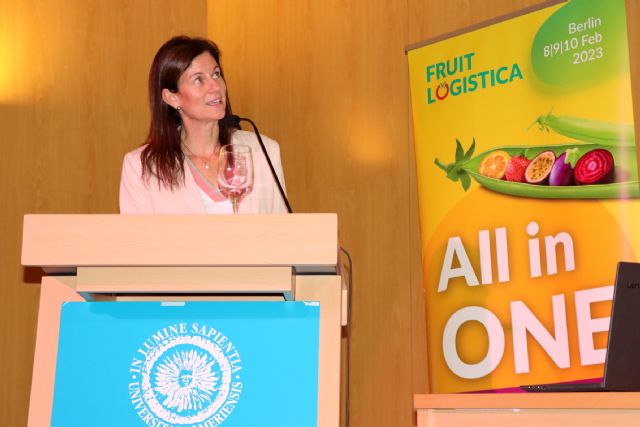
x,y
235,173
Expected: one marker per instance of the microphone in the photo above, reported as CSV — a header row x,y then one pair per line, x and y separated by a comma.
x,y
234,121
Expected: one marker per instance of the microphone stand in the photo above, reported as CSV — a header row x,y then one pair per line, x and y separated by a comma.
x,y
264,150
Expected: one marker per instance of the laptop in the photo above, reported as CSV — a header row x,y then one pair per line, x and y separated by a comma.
x,y
621,367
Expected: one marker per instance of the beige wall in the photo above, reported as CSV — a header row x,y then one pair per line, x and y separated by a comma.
x,y
72,102
327,78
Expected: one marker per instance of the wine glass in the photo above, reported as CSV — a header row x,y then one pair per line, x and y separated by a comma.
x,y
235,173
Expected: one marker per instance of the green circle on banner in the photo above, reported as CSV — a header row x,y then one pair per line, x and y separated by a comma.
x,y
582,43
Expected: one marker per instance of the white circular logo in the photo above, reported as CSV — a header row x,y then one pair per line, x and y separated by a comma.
x,y
188,374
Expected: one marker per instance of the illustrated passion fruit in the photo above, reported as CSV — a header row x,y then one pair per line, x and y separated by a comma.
x,y
540,167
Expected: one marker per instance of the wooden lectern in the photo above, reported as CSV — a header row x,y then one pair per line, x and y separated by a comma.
x,y
185,257
584,409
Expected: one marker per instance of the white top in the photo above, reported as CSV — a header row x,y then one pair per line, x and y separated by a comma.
x,y
212,207
138,196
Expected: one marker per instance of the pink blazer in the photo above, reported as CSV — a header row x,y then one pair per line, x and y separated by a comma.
x,y
137,197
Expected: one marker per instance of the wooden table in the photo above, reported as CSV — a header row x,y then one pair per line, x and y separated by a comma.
x,y
528,409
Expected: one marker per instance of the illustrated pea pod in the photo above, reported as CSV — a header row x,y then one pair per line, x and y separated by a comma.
x,y
466,167
593,131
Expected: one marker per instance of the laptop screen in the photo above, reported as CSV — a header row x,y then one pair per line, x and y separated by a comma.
x,y
622,371
194,364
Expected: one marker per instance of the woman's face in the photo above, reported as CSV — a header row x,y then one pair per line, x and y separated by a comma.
x,y
201,95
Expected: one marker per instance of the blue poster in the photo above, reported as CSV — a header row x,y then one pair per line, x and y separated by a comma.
x,y
193,364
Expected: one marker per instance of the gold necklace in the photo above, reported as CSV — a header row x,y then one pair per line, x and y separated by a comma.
x,y
204,159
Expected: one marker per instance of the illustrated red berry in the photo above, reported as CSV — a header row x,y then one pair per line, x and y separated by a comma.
x,y
516,167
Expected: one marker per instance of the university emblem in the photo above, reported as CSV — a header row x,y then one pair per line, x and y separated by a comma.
x,y
186,374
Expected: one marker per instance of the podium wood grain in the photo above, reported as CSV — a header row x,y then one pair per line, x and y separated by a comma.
x,y
187,240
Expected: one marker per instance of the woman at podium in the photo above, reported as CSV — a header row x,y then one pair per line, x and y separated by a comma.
x,y
175,171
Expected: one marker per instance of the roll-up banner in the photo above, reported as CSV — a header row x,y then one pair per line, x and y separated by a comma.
x,y
528,193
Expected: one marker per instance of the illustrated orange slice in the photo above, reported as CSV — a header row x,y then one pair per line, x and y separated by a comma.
x,y
494,164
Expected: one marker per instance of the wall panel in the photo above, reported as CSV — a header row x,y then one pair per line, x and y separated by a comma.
x,y
329,81
72,102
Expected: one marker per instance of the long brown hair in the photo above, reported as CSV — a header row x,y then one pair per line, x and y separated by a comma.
x,y
163,158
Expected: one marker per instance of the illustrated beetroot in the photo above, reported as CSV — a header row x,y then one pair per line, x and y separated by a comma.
x,y
594,167
539,169
561,172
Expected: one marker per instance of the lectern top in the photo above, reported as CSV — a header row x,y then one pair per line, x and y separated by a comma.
x,y
66,241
